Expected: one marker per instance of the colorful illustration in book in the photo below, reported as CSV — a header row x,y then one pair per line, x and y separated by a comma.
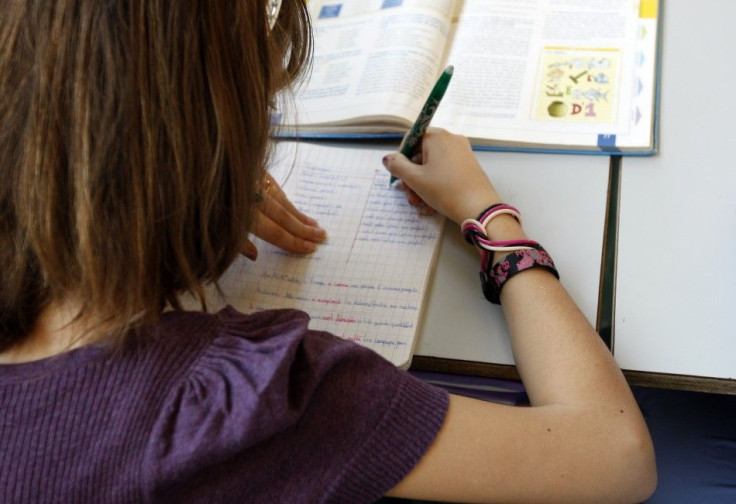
x,y
577,85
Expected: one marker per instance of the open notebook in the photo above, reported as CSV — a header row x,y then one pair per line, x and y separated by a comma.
x,y
368,281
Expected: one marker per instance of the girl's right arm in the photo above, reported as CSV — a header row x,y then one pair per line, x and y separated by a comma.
x,y
583,439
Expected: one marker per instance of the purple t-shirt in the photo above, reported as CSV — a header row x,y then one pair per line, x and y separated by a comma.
x,y
214,408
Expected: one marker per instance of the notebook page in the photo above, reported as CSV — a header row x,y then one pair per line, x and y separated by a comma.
x,y
367,282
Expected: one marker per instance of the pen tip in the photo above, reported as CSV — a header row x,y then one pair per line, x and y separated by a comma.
x,y
449,69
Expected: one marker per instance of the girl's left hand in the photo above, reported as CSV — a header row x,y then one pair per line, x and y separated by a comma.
x,y
280,223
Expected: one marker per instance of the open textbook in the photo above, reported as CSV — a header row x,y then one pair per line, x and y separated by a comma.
x,y
552,75
368,281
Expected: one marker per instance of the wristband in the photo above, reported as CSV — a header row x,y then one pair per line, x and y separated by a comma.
x,y
493,278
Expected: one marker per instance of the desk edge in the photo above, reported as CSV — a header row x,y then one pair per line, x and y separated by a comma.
x,y
635,378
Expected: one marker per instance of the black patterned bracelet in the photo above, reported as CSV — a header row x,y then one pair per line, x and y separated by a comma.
x,y
493,278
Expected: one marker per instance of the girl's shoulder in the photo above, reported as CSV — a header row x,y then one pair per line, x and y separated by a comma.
x,y
264,384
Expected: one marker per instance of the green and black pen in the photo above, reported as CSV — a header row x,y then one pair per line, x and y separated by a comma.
x,y
413,139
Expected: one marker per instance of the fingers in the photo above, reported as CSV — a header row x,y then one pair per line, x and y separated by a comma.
x,y
399,166
277,194
291,238
280,223
412,197
449,178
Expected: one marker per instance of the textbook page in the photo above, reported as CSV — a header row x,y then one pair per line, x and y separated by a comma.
x,y
552,72
375,62
367,282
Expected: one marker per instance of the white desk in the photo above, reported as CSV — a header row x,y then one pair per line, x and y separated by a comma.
x,y
563,203
675,299
676,273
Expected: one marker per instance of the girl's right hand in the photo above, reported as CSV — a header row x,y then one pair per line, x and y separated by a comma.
x,y
447,176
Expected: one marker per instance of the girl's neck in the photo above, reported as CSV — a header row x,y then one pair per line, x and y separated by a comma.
x,y
57,330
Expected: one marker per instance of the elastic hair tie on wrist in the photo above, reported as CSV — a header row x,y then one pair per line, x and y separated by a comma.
x,y
488,209
504,245
497,209
474,230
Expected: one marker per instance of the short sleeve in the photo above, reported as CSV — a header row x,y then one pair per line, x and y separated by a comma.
x,y
271,411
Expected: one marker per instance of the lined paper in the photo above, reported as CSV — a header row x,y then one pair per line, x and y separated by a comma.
x,y
367,282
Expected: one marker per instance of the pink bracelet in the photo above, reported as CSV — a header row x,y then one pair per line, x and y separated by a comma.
x,y
498,209
474,230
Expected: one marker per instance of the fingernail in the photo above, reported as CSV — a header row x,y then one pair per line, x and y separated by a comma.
x,y
308,246
251,252
385,160
320,234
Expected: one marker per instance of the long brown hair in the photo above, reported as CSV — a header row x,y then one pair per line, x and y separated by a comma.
x,y
133,134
